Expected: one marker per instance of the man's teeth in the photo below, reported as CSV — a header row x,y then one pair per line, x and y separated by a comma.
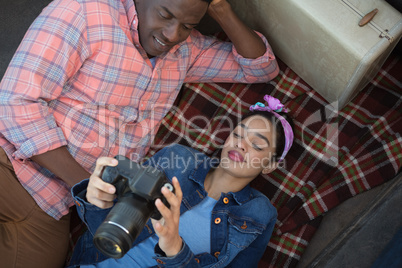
x,y
160,42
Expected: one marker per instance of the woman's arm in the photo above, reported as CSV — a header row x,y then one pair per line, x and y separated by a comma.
x,y
247,43
171,249
167,228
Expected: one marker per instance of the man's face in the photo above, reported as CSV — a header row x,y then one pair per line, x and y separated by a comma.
x,y
164,23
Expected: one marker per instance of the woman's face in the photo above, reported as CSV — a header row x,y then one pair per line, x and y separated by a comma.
x,y
163,24
249,148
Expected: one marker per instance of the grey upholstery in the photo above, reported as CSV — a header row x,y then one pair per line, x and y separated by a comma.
x,y
15,16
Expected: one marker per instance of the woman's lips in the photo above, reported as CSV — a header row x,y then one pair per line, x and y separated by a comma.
x,y
235,156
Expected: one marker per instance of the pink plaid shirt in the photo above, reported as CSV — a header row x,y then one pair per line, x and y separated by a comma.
x,y
80,78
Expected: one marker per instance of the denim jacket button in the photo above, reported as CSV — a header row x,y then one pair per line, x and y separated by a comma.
x,y
77,203
216,254
197,260
160,261
244,226
217,220
226,200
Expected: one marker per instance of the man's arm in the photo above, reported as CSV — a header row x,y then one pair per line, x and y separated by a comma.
x,y
247,43
61,163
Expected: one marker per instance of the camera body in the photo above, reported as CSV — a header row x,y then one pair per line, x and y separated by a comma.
x,y
137,188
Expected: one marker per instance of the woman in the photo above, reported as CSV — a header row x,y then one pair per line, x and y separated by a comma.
x,y
215,218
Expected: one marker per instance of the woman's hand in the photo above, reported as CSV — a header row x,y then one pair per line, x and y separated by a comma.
x,y
168,227
101,193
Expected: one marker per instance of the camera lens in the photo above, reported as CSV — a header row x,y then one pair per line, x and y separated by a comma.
x,y
109,246
116,235
112,240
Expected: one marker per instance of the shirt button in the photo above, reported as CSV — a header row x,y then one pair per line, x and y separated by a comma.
x,y
226,200
216,254
217,220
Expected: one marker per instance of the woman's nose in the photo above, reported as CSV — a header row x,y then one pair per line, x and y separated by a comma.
x,y
240,144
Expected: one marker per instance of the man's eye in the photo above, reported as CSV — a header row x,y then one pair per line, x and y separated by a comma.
x,y
163,16
236,135
187,28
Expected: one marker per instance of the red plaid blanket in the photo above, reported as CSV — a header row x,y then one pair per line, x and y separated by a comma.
x,y
336,154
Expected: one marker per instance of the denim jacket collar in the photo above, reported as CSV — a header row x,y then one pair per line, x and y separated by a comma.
x,y
200,172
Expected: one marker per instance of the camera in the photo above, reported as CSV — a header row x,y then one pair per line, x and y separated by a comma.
x,y
137,188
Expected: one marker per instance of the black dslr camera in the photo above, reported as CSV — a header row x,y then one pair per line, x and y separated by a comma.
x,y
137,188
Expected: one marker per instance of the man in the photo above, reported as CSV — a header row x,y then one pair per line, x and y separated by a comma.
x,y
95,78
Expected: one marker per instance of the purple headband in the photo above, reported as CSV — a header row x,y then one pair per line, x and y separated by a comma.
x,y
275,107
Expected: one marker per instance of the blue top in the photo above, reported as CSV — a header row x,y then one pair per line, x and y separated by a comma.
x,y
239,238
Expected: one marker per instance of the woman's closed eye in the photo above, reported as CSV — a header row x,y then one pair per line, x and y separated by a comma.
x,y
236,135
257,147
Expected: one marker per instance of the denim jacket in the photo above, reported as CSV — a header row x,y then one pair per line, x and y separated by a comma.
x,y
241,223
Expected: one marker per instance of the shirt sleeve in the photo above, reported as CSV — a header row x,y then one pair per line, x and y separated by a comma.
x,y
51,52
185,258
213,60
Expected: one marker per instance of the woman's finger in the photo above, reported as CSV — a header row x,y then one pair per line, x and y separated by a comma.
x,y
175,198
101,185
101,162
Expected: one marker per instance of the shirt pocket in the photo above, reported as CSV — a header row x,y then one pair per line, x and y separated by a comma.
x,y
243,231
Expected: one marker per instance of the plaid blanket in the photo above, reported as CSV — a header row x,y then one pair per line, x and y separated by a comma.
x,y
336,155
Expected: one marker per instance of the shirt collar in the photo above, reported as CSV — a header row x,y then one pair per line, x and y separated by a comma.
x,y
131,12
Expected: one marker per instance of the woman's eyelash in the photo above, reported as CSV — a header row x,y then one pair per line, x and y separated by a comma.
x,y
256,147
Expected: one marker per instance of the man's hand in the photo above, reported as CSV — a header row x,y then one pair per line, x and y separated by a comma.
x,y
101,193
215,4
168,227
246,41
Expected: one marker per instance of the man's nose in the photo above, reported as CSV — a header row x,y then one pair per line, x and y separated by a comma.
x,y
173,33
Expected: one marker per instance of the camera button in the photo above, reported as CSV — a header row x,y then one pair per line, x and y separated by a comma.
x,y
217,220
226,200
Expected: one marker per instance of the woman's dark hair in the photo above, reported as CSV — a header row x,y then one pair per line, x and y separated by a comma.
x,y
276,123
